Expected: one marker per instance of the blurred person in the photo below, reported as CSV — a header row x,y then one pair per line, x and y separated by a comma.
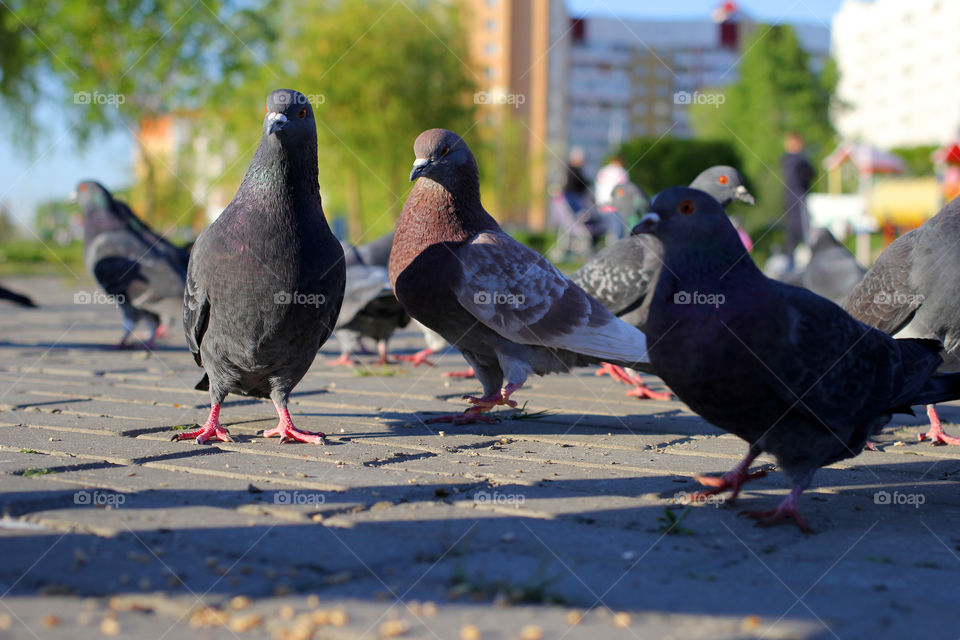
x,y
797,177
610,176
576,189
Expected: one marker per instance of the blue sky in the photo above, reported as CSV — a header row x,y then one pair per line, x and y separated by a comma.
x,y
55,165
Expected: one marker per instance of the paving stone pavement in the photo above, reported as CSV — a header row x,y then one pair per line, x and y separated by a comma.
x,y
549,526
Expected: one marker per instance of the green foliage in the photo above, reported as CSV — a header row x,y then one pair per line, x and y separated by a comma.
x,y
917,159
775,93
114,64
657,164
23,256
506,165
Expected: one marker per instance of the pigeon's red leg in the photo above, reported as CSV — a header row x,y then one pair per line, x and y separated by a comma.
x,y
382,352
343,361
480,407
733,479
289,433
615,372
643,392
417,359
163,331
936,434
210,429
469,373
786,509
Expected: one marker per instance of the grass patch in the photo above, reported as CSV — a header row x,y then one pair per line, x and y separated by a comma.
x,y
36,471
536,590
669,523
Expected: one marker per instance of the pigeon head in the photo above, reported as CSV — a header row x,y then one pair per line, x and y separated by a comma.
x,y
90,195
723,183
289,118
685,217
443,157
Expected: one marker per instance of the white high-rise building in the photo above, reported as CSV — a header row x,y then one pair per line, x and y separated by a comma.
x,y
635,78
899,78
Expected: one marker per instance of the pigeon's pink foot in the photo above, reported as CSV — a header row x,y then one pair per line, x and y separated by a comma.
x,y
417,359
469,373
643,392
936,434
732,480
343,361
615,372
786,509
289,433
480,407
210,429
163,331
384,356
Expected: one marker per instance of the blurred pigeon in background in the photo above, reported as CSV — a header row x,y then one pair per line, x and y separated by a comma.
x,y
913,291
370,310
509,311
146,281
621,275
266,279
831,272
807,383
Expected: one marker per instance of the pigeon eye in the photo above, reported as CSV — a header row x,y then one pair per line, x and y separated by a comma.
x,y
302,114
686,207
444,151
266,109
722,179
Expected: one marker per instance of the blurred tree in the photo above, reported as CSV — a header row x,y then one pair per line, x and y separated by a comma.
x,y
506,163
917,158
126,62
657,163
377,73
8,227
776,92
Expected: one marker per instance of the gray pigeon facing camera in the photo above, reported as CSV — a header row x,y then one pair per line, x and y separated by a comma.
x,y
265,281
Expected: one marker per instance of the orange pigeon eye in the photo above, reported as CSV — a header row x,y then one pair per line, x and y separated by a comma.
x,y
82,187
302,113
686,207
266,109
722,179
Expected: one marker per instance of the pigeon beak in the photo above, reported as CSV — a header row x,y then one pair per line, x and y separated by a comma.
x,y
743,195
647,224
73,196
276,120
419,166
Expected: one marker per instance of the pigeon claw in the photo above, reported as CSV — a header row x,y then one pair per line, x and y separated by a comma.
x,y
289,433
732,480
469,373
643,392
936,433
417,359
614,371
203,434
343,361
786,509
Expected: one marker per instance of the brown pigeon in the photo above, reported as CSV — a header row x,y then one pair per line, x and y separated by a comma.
x,y
505,307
